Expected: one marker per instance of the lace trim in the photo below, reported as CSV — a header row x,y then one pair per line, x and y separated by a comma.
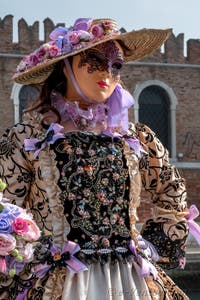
x,y
60,226
50,175
135,188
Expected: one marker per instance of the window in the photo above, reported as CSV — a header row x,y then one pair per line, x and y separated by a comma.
x,y
154,111
27,97
156,103
23,96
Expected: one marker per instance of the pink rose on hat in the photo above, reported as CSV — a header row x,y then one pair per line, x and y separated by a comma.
x,y
41,53
97,31
53,51
32,60
74,37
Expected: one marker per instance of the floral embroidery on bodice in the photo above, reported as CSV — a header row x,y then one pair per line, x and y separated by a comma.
x,y
95,187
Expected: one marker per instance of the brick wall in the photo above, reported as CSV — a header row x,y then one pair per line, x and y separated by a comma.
x,y
184,81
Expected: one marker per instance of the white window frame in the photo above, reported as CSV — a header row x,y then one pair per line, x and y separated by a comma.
x,y
15,98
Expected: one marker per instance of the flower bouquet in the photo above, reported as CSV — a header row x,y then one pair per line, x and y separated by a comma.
x,y
18,232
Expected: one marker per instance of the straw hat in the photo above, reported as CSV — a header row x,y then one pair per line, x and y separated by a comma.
x,y
84,34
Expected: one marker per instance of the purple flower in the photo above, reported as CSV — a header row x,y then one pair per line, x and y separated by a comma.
x,y
10,211
82,24
5,224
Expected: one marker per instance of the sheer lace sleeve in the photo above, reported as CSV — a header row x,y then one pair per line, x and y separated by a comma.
x,y
15,169
167,229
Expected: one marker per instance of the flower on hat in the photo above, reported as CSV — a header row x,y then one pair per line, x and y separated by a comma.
x,y
97,31
45,52
65,40
82,24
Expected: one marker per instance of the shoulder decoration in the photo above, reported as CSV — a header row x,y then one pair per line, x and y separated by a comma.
x,y
52,134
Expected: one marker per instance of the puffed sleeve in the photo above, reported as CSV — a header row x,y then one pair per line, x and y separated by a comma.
x,y
167,229
15,168
16,172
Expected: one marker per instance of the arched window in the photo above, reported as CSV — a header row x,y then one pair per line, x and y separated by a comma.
x,y
155,105
27,96
23,96
154,111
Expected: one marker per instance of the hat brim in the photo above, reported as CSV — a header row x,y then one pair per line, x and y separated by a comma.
x,y
136,45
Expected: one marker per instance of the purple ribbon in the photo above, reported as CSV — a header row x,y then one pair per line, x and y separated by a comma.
x,y
52,134
58,32
146,267
21,296
133,142
193,226
119,103
135,145
65,255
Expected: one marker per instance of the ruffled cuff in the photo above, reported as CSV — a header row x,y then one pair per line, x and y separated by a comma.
x,y
170,246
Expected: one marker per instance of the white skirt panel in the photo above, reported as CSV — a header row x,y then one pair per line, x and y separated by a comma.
x,y
111,281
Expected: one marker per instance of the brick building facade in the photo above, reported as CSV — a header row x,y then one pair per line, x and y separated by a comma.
x,y
168,74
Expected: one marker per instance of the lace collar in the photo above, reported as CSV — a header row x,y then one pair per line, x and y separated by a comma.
x,y
83,119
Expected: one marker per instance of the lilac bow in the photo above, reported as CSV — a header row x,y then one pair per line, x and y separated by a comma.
x,y
193,226
58,32
135,145
52,134
146,267
64,257
119,103
133,142
60,35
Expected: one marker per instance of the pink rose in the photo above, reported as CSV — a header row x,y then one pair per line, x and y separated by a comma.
x,y
53,51
7,244
20,226
41,53
32,60
97,31
74,37
33,232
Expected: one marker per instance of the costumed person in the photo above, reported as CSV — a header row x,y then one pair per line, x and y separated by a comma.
x,y
76,164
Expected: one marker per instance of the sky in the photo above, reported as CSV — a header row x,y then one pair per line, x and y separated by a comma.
x,y
180,15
